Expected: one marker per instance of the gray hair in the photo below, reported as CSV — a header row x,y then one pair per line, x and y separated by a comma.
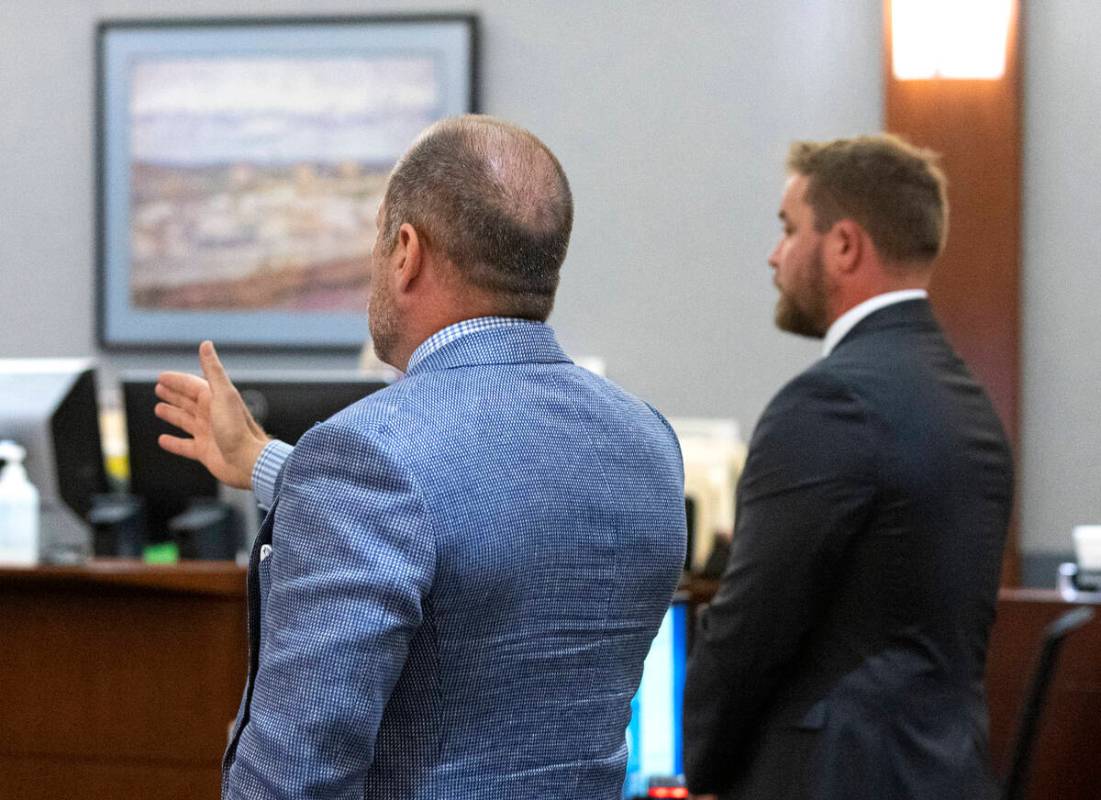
x,y
494,200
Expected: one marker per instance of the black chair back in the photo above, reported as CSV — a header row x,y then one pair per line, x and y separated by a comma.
x,y
1016,783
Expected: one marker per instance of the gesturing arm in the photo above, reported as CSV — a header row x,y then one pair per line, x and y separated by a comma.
x,y
352,559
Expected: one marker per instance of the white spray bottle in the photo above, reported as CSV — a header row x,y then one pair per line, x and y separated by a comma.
x,y
18,509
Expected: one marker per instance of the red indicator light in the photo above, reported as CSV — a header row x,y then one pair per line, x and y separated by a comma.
x,y
677,792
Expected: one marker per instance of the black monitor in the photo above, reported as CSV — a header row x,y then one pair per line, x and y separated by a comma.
x,y
285,406
49,406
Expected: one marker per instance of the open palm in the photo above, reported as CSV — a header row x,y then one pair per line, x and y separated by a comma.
x,y
224,437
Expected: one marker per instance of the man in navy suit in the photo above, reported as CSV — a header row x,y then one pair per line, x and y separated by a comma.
x,y
843,655
460,575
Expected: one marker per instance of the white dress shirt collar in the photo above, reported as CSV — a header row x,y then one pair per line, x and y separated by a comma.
x,y
847,321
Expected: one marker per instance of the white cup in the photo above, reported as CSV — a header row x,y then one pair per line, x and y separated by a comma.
x,y
1087,547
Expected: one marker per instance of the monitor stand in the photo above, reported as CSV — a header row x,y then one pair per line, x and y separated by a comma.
x,y
63,538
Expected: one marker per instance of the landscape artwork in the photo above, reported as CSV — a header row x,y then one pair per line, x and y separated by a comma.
x,y
241,164
255,182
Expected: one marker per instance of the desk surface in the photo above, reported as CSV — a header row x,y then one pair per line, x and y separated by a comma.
x,y
227,578
219,578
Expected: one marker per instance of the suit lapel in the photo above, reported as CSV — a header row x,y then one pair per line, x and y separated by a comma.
x,y
263,537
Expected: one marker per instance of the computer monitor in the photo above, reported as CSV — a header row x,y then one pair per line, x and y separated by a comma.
x,y
49,406
166,483
286,406
654,748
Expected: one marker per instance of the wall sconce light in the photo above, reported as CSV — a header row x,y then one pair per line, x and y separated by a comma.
x,y
949,38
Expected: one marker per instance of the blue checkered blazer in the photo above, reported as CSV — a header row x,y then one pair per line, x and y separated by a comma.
x,y
462,574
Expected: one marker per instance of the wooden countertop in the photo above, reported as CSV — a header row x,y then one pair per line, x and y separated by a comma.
x,y
219,578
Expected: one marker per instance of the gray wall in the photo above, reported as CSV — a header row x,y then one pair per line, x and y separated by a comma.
x,y
1061,347
672,122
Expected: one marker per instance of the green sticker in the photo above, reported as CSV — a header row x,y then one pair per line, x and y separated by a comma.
x,y
162,553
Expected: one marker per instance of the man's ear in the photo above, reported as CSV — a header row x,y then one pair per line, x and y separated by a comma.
x,y
845,244
410,264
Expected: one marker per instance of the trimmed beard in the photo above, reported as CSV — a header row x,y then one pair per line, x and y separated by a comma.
x,y
802,310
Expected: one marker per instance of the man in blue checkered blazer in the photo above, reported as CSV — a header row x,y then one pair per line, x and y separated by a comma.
x,y
460,575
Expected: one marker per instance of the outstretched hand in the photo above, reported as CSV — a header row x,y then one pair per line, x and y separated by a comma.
x,y
224,436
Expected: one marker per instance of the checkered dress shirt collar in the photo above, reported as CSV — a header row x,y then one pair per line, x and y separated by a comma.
x,y
458,330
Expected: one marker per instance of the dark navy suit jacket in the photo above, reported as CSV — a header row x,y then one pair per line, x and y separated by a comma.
x,y
843,654
465,573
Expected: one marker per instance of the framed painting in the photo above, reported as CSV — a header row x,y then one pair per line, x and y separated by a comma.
x,y
240,167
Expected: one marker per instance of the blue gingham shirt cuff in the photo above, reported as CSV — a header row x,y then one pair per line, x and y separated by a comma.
x,y
266,470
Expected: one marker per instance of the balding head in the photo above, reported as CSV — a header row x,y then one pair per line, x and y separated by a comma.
x,y
493,200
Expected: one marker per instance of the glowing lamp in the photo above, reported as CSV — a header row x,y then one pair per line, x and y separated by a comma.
x,y
949,38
